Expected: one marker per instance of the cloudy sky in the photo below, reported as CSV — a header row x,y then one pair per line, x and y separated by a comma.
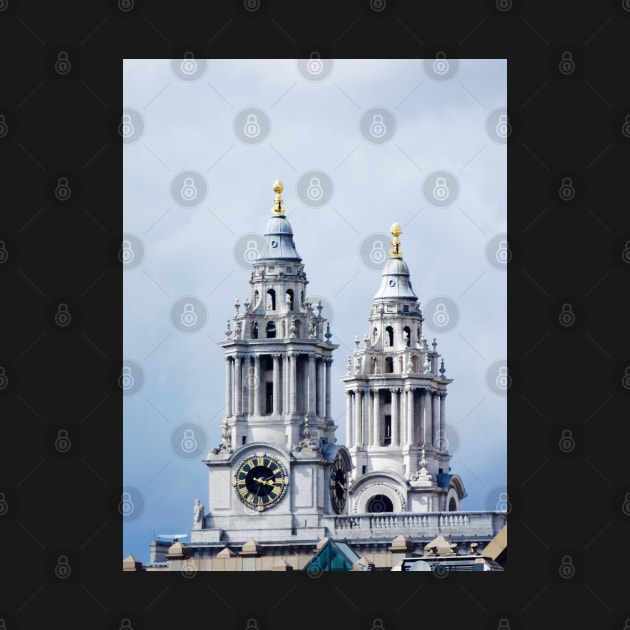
x,y
358,144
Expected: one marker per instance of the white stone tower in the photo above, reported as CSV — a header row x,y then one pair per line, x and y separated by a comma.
x,y
396,406
277,470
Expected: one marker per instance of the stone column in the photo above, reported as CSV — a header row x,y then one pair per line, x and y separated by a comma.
x,y
276,384
246,366
285,384
369,418
293,383
257,385
434,419
328,389
425,417
228,386
319,403
365,420
357,416
395,419
238,388
409,423
311,384
349,418
443,416
377,435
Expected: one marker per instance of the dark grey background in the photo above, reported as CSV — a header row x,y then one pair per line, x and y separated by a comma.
x,y
63,503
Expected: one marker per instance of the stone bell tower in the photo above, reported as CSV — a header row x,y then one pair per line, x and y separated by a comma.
x,y
395,390
272,478
279,355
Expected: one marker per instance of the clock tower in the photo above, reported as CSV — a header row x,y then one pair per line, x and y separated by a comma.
x,y
277,472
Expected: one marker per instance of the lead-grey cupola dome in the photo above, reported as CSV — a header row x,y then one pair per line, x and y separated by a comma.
x,y
396,282
279,244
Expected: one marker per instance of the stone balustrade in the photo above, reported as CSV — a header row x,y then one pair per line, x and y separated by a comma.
x,y
414,525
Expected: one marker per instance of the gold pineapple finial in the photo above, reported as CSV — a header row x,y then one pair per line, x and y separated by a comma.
x,y
396,250
278,203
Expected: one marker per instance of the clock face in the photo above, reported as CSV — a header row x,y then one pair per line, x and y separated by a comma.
x,y
338,485
260,481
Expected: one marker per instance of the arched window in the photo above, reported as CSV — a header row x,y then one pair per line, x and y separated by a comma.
x,y
254,330
271,300
419,333
380,503
374,333
256,297
389,340
289,299
271,330
389,365
452,505
406,335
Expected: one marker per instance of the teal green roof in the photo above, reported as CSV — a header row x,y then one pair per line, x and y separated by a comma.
x,y
333,556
